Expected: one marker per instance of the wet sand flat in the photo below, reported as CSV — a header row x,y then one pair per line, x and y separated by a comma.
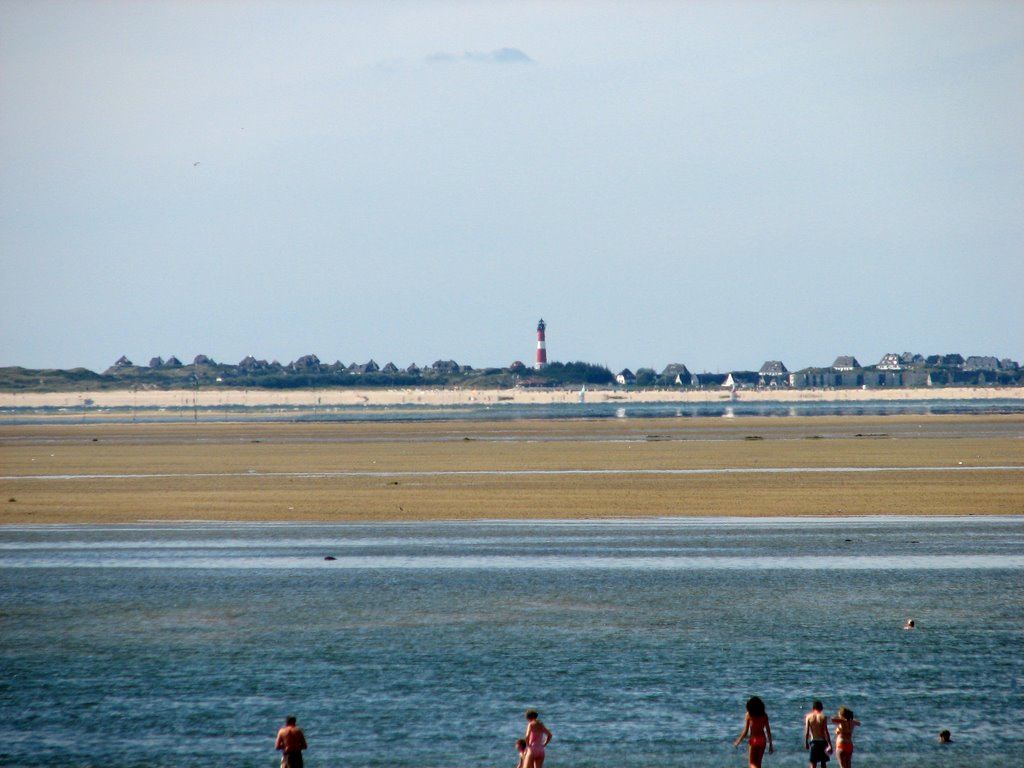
x,y
394,471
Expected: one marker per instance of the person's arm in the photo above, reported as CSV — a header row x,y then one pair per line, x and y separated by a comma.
x,y
746,727
547,735
807,732
302,740
279,744
768,730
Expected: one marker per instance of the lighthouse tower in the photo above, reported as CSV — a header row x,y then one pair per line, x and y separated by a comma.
x,y
542,352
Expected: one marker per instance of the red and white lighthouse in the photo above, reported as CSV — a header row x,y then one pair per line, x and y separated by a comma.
x,y
542,352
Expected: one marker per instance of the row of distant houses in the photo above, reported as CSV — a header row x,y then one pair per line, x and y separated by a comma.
x,y
312,364
893,370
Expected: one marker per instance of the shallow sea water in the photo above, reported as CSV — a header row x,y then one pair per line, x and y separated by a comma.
x,y
422,644
590,408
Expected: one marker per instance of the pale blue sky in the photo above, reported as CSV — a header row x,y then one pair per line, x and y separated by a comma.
x,y
712,183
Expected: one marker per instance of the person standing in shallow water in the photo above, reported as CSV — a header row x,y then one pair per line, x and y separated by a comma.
x,y
816,736
521,751
757,731
291,741
537,739
845,724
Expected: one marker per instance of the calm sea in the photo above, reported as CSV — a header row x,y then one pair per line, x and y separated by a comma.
x,y
420,645
587,409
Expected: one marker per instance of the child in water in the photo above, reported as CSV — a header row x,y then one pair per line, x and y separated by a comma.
x,y
755,723
537,738
845,724
521,749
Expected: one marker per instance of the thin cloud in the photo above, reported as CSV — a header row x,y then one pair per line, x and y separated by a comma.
x,y
500,56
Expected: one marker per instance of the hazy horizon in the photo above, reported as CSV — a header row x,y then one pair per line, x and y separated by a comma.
x,y
712,183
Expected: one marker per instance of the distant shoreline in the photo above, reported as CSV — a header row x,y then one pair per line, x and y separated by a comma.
x,y
261,398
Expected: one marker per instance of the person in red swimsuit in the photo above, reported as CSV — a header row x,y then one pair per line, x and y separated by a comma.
x,y
757,731
537,738
845,724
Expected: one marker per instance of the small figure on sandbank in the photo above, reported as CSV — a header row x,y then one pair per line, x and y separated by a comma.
x,y
845,724
291,741
757,731
816,736
537,739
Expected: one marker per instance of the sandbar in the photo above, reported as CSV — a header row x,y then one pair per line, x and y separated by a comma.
x,y
103,473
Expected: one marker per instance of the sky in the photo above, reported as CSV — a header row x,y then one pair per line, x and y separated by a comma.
x,y
709,183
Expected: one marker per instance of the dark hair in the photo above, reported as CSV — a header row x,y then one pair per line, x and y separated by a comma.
x,y
520,743
290,720
817,705
531,714
755,706
846,713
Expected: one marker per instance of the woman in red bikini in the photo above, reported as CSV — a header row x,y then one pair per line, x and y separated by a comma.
x,y
755,724
845,724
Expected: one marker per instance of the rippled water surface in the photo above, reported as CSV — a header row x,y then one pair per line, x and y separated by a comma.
x,y
422,644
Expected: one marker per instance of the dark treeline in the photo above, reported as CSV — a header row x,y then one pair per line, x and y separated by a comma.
x,y
305,373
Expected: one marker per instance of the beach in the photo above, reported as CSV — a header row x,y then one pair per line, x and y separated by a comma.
x,y
207,397
913,464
